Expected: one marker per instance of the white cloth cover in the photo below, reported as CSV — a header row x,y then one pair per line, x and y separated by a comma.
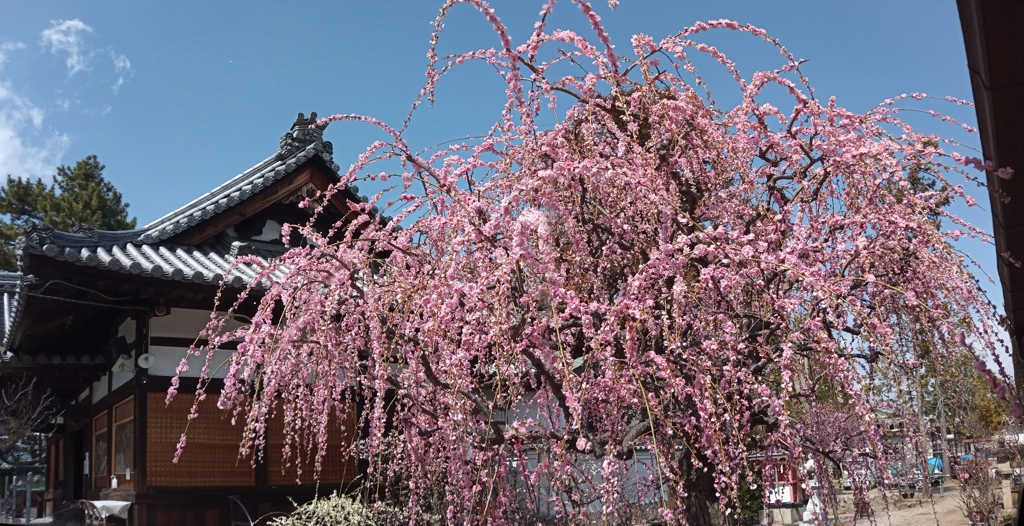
x,y
117,508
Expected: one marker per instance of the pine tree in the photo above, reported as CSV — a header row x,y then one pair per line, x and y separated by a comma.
x,y
79,196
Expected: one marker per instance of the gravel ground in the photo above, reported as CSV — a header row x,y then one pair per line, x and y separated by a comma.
x,y
906,512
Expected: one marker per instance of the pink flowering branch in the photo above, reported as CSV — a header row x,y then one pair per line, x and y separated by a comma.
x,y
655,289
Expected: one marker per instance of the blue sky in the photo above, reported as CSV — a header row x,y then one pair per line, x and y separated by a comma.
x,y
176,97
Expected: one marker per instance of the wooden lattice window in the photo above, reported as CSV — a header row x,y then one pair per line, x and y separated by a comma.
x,y
338,466
210,458
100,451
124,442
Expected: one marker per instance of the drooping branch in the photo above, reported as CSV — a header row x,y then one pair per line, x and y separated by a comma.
x,y
652,273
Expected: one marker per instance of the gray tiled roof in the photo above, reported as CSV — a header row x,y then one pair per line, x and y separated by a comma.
x,y
302,143
208,262
11,286
145,251
238,189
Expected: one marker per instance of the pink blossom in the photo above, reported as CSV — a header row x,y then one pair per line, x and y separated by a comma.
x,y
657,273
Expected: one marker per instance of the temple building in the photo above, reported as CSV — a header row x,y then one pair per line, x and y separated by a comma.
x,y
102,319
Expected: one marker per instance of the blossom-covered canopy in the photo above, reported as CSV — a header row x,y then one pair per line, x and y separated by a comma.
x,y
623,312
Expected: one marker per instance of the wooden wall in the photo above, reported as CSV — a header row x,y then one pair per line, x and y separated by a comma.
x,y
195,490
336,467
211,456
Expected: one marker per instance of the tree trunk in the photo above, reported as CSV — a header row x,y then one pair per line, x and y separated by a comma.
x,y
698,510
700,505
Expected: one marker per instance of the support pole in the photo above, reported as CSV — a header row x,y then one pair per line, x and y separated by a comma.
x,y
944,430
28,497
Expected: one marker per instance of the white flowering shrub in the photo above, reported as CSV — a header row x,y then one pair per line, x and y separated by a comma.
x,y
335,510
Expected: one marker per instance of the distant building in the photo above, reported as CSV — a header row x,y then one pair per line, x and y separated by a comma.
x,y
103,319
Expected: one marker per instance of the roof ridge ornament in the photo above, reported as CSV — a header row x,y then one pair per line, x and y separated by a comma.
x,y
303,133
302,121
36,232
241,248
85,229
302,142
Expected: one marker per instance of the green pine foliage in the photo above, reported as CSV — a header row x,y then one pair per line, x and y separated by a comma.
x,y
78,197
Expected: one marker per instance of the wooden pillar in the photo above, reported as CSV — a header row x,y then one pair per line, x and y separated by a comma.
x,y
141,417
89,454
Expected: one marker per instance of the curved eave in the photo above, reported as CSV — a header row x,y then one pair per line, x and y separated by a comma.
x,y
995,58
11,288
233,192
210,263
226,196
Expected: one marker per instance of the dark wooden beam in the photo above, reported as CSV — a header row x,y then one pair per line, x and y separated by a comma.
x,y
287,186
141,405
995,59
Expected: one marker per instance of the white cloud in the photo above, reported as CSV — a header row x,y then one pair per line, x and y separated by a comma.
x,y
121,62
7,47
18,118
66,35
18,109
121,65
27,147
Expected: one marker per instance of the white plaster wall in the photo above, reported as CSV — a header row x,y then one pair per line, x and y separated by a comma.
x,y
99,389
184,323
271,232
168,358
122,377
638,484
127,329
119,378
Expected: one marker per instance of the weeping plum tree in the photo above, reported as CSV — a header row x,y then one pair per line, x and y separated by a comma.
x,y
648,302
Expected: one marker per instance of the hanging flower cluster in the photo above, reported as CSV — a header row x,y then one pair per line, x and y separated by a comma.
x,y
639,308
